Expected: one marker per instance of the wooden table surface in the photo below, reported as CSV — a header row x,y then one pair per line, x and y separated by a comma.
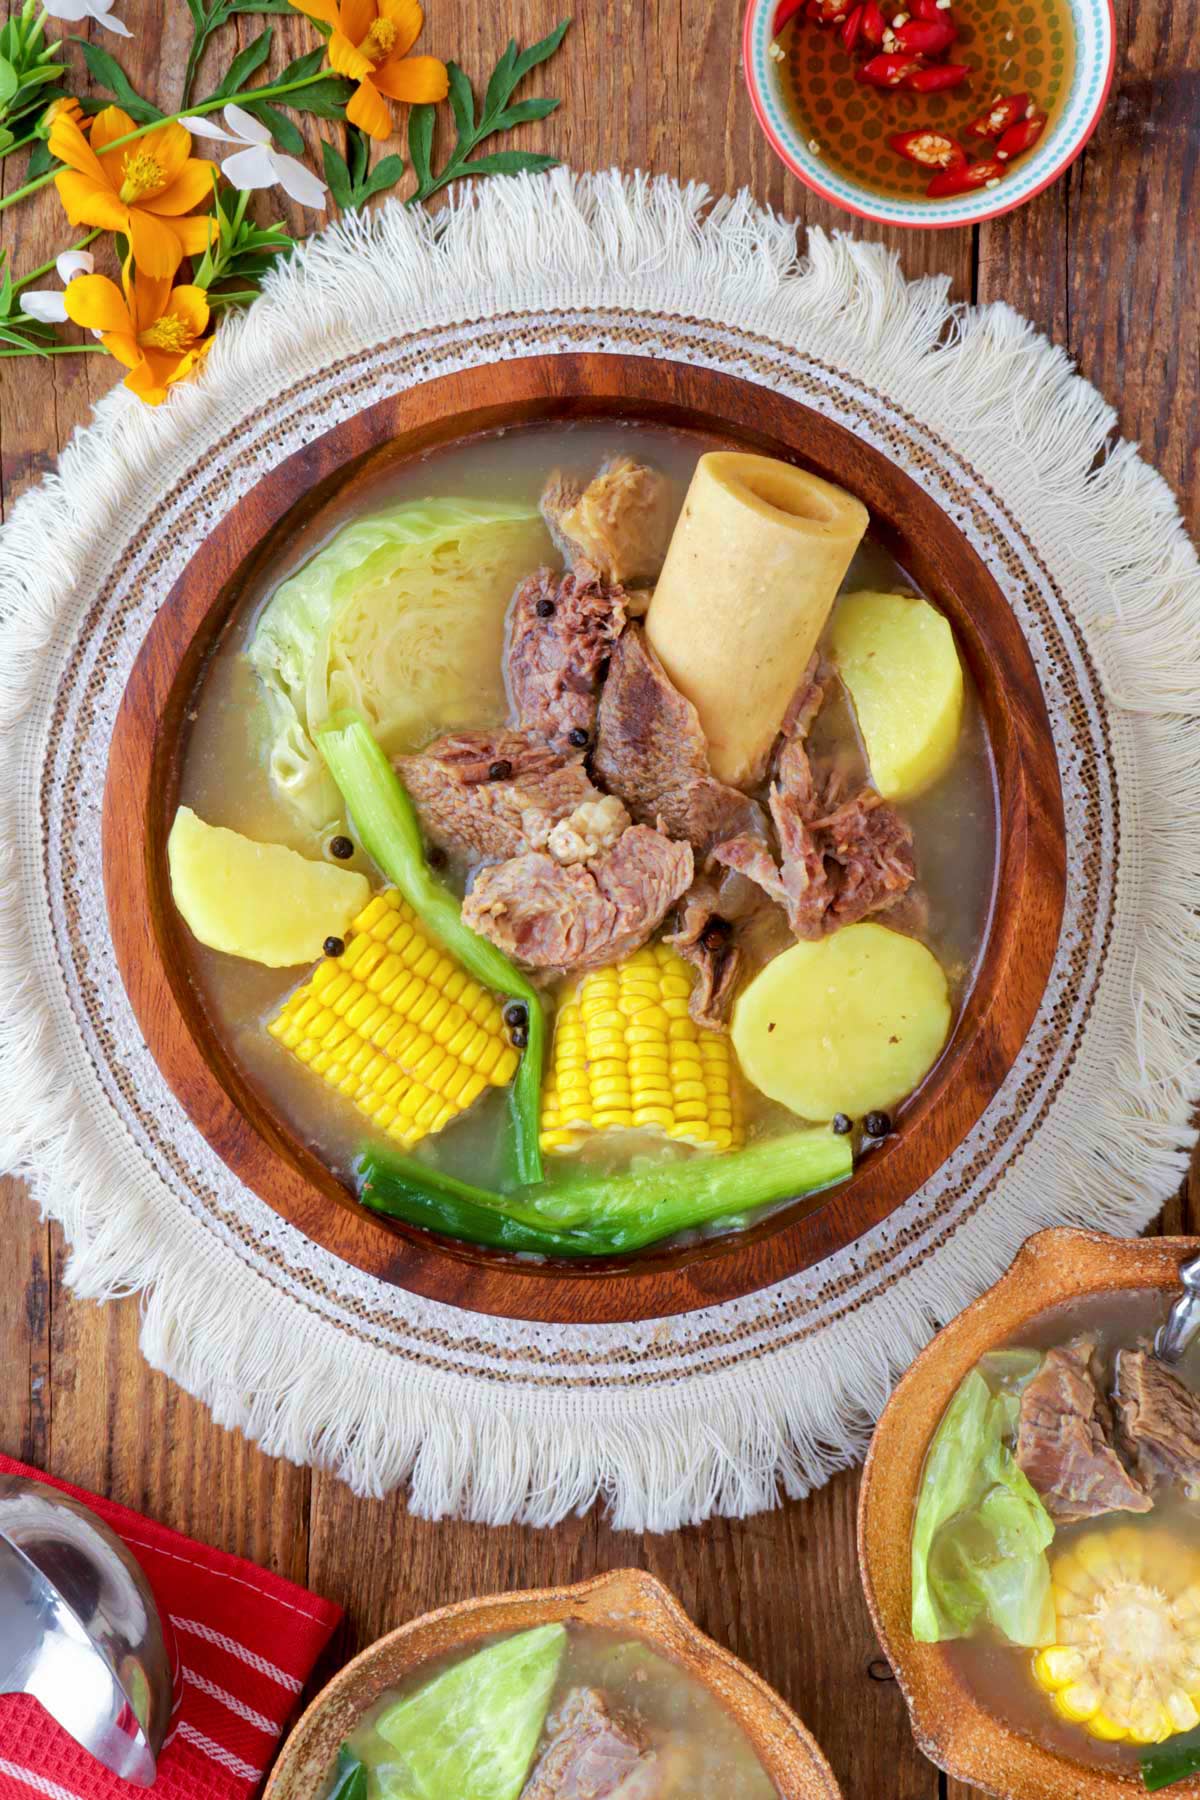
x,y
1108,263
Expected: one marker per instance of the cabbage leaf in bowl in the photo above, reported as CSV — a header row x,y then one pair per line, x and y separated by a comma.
x,y
981,1533
400,618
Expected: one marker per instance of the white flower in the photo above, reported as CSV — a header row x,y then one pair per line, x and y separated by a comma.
x,y
47,304
258,164
75,11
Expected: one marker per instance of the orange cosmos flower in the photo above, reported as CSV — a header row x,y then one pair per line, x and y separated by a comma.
x,y
370,43
142,188
151,327
66,106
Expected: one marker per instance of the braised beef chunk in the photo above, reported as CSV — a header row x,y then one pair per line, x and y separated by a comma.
x,y
839,860
1158,1421
493,793
708,941
548,915
1064,1440
651,751
561,630
620,522
594,1756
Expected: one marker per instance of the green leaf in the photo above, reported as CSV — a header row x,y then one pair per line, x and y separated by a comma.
x,y
524,111
462,100
498,116
108,73
10,81
7,138
244,65
324,99
337,175
420,144
303,67
349,1777
386,173
510,162
539,52
288,136
360,155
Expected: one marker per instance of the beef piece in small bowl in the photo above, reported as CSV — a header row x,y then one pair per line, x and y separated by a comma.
x,y
603,1691
1028,1533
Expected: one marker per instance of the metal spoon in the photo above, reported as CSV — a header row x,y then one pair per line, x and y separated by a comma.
x,y
1173,1338
79,1629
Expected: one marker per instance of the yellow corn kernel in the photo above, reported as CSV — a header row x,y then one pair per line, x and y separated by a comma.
x,y
626,1055
395,1025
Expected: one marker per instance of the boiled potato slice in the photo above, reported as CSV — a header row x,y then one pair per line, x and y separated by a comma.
x,y
849,1023
261,901
896,655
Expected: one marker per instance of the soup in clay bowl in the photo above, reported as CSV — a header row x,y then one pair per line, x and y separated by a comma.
x,y
338,987
1067,1668
655,1684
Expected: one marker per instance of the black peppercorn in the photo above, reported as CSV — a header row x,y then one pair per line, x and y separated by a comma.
x,y
334,946
842,1123
578,736
878,1124
435,856
544,609
516,1014
500,770
342,848
715,934
518,1037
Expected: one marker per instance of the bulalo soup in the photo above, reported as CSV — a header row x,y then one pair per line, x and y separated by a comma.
x,y
512,898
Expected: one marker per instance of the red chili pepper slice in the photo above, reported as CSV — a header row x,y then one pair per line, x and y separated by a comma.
x,y
934,80
890,71
931,10
1021,137
999,116
963,181
931,149
784,12
851,29
873,24
924,37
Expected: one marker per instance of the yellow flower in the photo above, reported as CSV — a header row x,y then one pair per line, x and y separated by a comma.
x,y
66,106
151,327
142,188
370,43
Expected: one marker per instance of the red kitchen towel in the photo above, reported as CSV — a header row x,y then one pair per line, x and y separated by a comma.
x,y
247,1642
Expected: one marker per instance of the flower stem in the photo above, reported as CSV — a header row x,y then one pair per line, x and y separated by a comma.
x,y
202,106
19,145
59,350
46,267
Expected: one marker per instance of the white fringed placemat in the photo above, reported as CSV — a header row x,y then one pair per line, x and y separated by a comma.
x,y
721,1410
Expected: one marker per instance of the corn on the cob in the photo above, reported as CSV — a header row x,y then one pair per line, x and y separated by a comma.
x,y
396,1026
627,1057
1126,1663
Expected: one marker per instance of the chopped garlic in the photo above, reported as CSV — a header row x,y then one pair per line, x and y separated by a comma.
x,y
594,826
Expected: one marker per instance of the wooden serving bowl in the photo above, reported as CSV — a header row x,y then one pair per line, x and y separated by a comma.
x,y
143,783
950,1725
627,1600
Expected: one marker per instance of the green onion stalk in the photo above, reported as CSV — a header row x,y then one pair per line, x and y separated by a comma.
x,y
608,1215
388,828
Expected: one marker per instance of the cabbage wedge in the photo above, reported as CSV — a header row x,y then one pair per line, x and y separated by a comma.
x,y
399,618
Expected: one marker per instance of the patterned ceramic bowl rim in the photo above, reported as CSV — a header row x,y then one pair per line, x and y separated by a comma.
x,y
1094,28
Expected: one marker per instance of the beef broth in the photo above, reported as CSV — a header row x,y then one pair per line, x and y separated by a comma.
x,y
488,793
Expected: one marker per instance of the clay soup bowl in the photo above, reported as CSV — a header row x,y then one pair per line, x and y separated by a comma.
x,y
143,784
951,1726
628,1601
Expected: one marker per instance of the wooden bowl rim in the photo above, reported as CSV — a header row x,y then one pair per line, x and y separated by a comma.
x,y
700,1655
998,1010
953,1729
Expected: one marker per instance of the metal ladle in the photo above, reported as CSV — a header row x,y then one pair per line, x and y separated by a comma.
x,y
1175,1336
79,1629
